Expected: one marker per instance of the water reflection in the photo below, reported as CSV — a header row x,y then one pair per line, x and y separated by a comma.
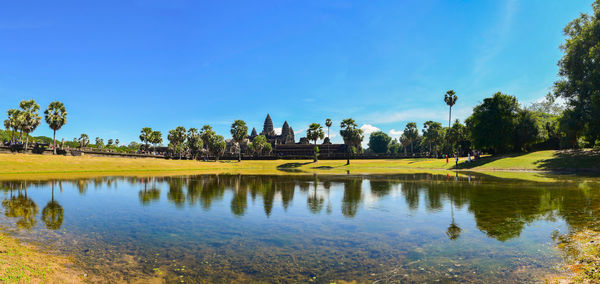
x,y
53,213
348,227
499,215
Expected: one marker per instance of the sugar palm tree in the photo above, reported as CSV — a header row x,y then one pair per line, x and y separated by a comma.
x,y
314,133
450,99
145,134
29,118
12,122
239,132
328,123
56,117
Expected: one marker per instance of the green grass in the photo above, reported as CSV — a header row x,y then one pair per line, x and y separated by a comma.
x,y
550,160
538,164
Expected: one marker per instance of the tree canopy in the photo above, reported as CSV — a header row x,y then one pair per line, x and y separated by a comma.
x,y
579,71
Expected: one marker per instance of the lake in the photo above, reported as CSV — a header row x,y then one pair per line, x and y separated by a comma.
x,y
303,228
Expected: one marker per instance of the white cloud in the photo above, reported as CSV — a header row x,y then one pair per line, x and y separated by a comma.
x,y
277,130
368,129
395,132
301,131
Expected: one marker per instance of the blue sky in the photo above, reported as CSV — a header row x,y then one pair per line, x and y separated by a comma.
x,y
122,65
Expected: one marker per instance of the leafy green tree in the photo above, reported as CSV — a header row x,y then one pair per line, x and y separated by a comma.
x,y
432,135
177,138
145,134
328,124
29,118
492,124
548,105
579,71
314,133
395,147
259,144
379,142
217,145
527,130
56,117
450,99
411,132
194,143
239,132
457,137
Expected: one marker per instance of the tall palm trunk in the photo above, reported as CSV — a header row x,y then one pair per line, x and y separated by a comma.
x,y
54,143
26,142
315,151
450,117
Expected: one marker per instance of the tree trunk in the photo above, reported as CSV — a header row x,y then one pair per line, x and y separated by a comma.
x,y
315,152
54,143
26,142
239,152
450,117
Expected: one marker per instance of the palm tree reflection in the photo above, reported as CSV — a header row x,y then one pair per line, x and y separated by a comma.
x,y
53,213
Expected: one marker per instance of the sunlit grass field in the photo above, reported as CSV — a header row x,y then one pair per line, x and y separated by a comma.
x,y
536,161
509,166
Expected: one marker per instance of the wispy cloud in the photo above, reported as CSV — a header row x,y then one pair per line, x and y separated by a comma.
x,y
494,41
419,114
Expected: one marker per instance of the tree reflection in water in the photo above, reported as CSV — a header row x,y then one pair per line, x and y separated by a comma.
x,y
53,213
20,206
498,214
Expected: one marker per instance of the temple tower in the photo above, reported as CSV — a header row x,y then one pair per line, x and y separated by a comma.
x,y
268,127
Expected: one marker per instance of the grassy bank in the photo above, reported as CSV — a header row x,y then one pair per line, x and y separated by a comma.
x,y
563,161
21,263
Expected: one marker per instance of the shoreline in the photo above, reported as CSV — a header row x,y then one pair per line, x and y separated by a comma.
x,y
22,262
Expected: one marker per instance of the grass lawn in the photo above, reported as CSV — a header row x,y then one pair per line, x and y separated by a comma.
x,y
515,165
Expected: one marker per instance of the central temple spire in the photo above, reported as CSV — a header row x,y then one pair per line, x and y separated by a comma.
x,y
268,127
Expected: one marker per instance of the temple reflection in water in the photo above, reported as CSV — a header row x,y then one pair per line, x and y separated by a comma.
x,y
499,215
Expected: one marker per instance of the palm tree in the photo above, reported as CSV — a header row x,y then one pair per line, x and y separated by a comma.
x,y
450,99
145,136
12,122
56,117
29,118
328,123
156,138
84,139
314,133
239,132
352,136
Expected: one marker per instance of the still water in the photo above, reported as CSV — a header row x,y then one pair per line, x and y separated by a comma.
x,y
291,228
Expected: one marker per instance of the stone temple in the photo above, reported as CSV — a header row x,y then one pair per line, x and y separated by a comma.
x,y
286,136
